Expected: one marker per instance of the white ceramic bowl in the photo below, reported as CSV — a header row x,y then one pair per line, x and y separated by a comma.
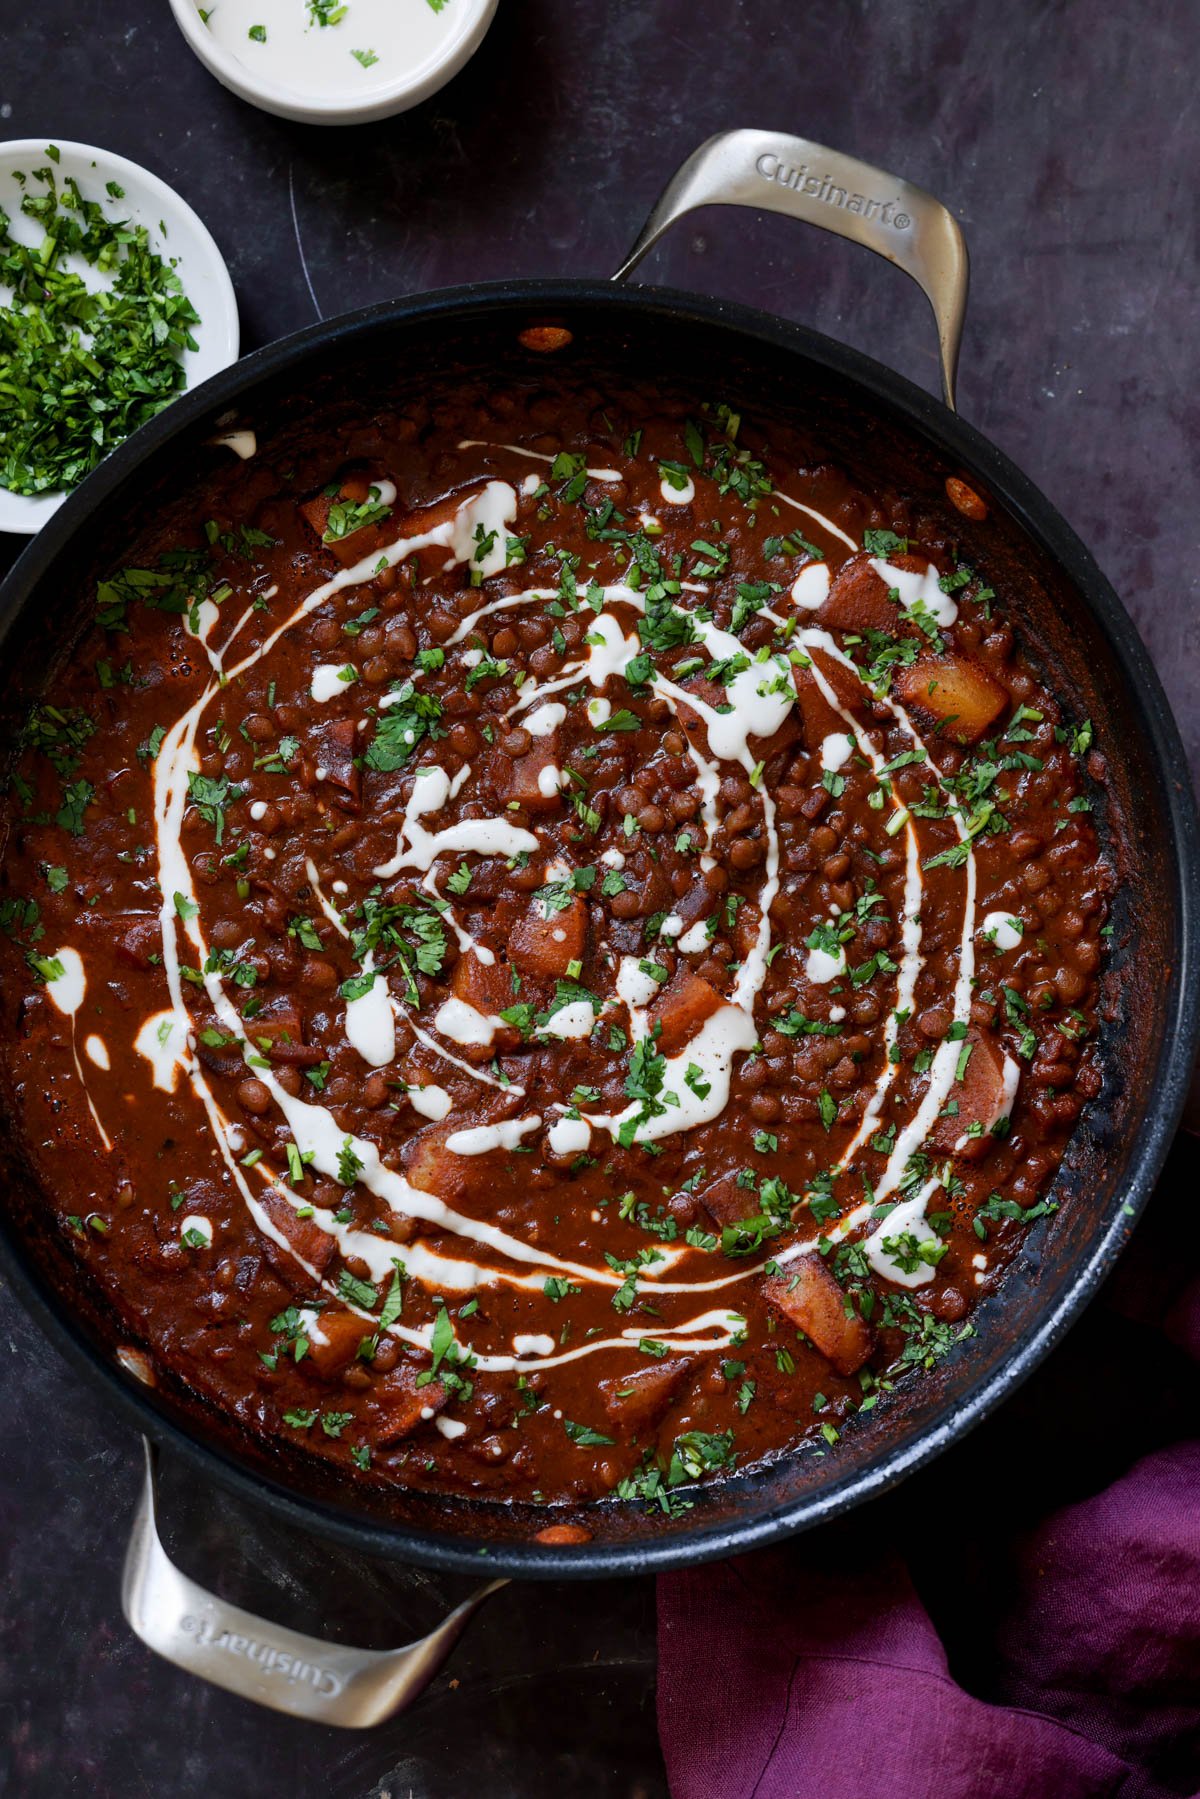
x,y
467,22
149,202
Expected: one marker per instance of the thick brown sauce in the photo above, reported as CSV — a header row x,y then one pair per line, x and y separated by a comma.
x,y
634,866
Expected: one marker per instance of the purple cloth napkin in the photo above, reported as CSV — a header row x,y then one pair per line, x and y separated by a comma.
x,y
1022,1620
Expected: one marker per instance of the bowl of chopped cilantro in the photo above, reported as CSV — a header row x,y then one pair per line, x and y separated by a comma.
x,y
113,299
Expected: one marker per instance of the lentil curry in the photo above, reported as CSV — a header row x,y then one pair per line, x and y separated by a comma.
x,y
550,942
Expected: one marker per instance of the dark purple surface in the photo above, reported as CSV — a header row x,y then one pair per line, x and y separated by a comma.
x,y
1065,137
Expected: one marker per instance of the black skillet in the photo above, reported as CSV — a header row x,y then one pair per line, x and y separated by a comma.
x,y
1070,621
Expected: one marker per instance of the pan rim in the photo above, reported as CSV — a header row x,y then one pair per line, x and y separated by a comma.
x,y
1151,1138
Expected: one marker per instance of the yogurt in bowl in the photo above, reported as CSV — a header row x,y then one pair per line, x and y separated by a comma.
x,y
334,62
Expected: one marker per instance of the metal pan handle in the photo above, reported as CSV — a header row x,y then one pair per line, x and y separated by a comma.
x,y
324,1683
824,187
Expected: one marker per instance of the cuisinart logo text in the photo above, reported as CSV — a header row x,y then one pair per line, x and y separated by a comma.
x,y
272,1661
824,188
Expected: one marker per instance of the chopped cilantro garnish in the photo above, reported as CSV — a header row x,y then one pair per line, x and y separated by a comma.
x,y
83,368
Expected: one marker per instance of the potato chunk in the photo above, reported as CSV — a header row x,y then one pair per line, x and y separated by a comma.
x,y
984,1096
638,1400
545,945
956,692
279,1028
858,598
331,751
140,938
132,937
485,985
333,1342
429,1165
727,1203
820,717
420,521
531,781
681,1009
808,1295
303,1238
315,512
357,544
399,1405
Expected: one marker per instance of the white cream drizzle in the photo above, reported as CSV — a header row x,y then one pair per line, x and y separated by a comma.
x,y
431,1043
171,773
819,518
912,960
217,657
546,719
760,696
468,945
711,1330
370,1021
758,707
573,1021
164,1042
822,966
330,679
810,589
1003,930
244,444
1009,1081
677,496
918,590
200,623
313,1127
327,906
431,1101
66,992
594,474
418,848
634,986
465,1024
569,1136
485,516
904,1220
836,751
481,1139
945,1059
708,1060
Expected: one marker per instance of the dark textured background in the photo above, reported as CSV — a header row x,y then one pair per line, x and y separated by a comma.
x,y
1065,136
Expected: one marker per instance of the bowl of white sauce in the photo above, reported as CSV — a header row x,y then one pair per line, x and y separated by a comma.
x,y
334,62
